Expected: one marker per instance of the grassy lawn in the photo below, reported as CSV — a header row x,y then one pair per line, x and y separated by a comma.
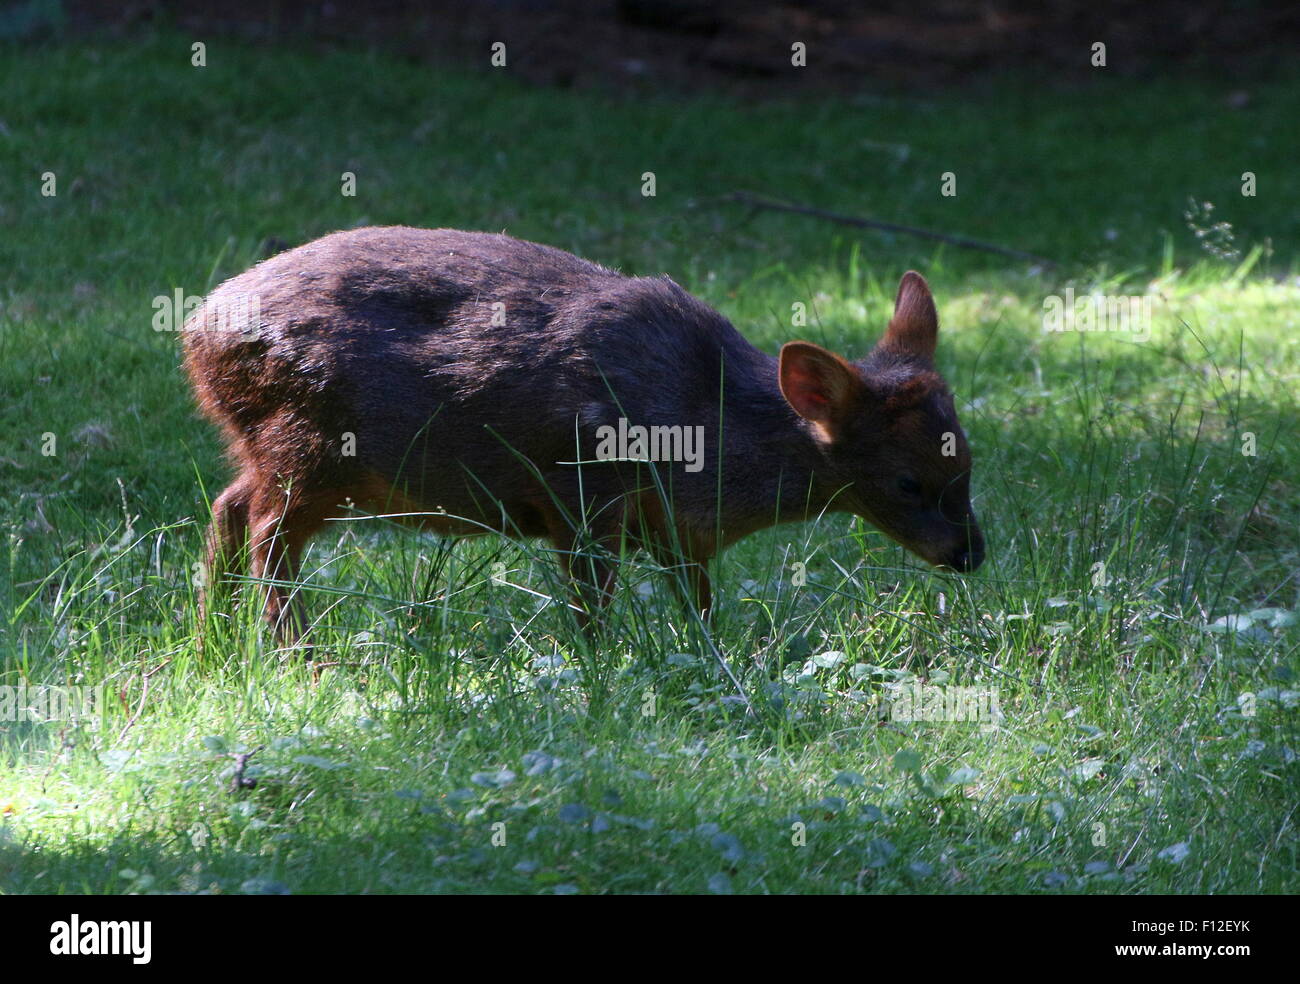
x,y
1135,623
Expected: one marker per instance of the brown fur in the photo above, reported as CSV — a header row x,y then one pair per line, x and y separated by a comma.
x,y
387,334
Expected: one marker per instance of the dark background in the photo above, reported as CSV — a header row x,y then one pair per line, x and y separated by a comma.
x,y
745,44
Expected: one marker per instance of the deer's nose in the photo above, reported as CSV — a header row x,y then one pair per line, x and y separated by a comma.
x,y
970,554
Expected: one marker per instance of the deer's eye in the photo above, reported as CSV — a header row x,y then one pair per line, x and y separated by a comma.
x,y
909,486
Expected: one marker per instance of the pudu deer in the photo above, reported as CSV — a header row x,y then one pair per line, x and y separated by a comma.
x,y
467,382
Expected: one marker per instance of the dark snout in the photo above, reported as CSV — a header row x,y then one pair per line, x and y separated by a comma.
x,y
966,560
942,540
969,553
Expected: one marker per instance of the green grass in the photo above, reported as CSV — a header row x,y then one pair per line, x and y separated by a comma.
x,y
1148,734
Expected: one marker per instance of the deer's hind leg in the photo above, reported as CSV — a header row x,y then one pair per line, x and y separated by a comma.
x,y
227,552
280,523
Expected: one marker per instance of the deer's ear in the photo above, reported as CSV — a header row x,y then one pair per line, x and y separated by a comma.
x,y
819,385
914,328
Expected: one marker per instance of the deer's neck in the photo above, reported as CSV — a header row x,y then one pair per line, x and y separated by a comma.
x,y
772,469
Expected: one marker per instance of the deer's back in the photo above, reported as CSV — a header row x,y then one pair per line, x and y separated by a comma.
x,y
446,349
